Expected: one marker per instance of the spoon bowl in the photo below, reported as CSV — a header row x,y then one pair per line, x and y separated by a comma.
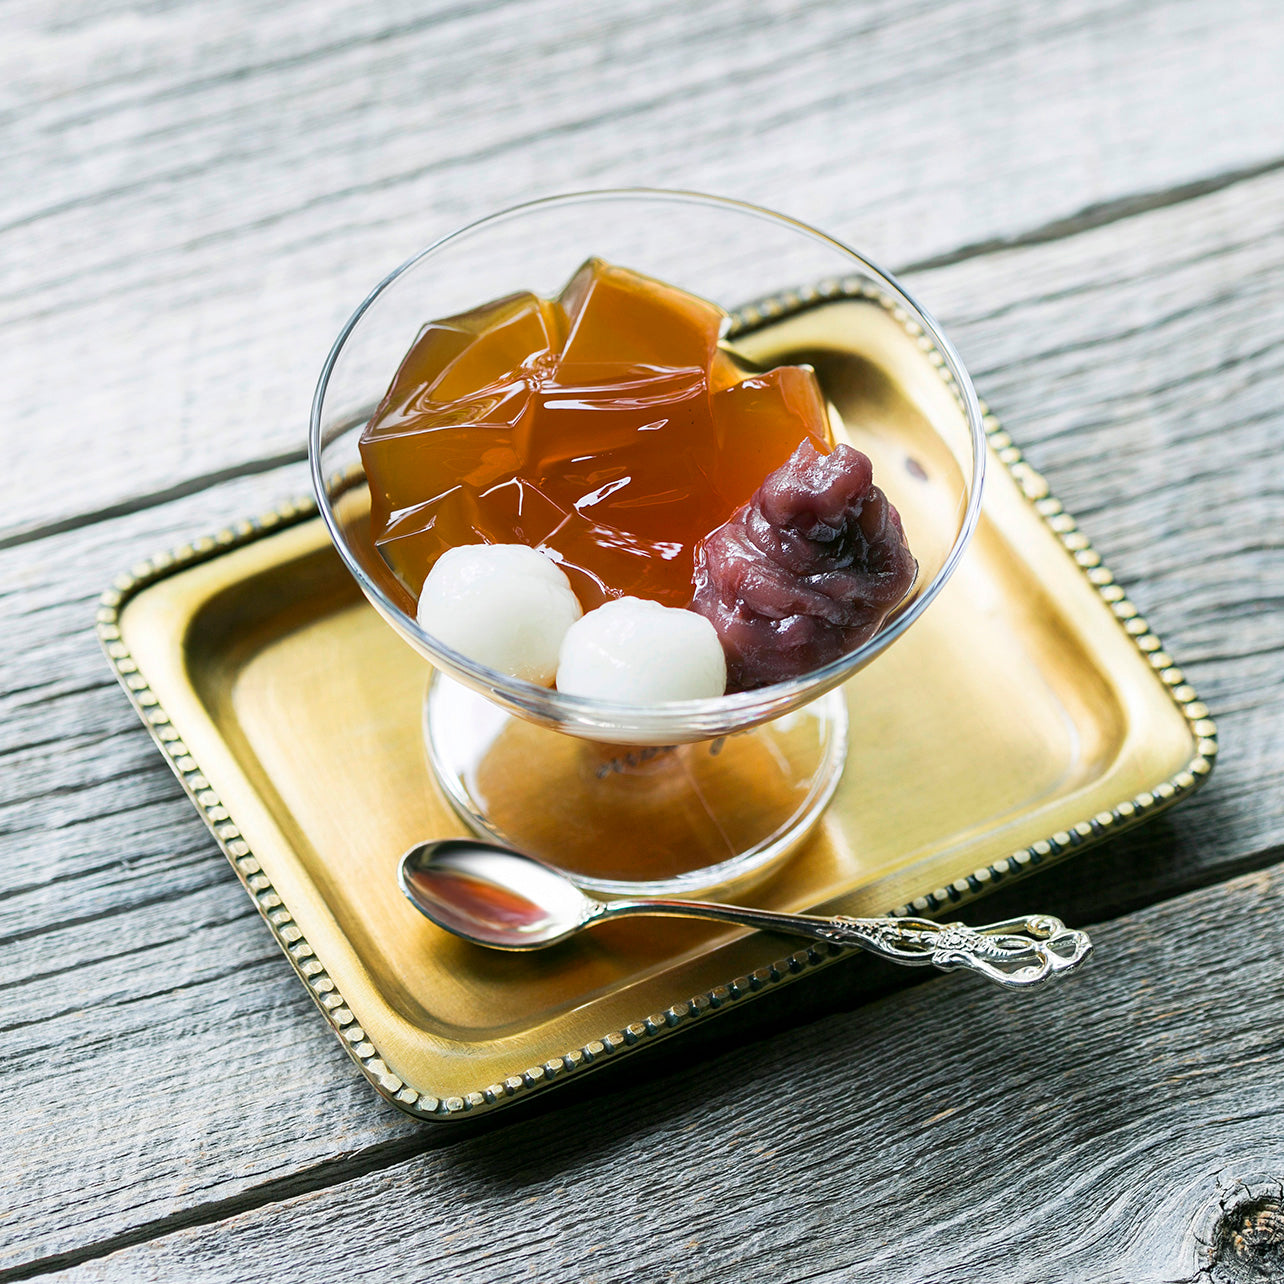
x,y
491,895
499,898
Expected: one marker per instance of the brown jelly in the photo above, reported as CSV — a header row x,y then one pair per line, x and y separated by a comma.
x,y
610,427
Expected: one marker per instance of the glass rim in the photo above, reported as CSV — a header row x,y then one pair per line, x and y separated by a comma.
x,y
585,710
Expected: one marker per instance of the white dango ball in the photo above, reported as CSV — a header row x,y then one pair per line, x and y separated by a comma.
x,y
502,605
633,651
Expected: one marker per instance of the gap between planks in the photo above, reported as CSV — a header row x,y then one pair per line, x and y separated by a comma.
x,y
1087,219
330,1172
1098,215
1127,936
153,499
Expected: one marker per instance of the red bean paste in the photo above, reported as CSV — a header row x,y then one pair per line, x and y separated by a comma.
x,y
806,571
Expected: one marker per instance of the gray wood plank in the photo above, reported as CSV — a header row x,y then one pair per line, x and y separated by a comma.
x,y
950,1134
1141,366
149,1020
197,198
1133,341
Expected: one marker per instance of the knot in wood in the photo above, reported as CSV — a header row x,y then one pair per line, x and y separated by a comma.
x,y
1248,1242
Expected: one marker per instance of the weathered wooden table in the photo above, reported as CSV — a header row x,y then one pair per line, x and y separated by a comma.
x,y
1089,193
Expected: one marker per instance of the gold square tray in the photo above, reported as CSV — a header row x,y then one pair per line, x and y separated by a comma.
x,y
1028,713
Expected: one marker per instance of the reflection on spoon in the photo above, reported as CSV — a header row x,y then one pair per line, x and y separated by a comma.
x,y
500,898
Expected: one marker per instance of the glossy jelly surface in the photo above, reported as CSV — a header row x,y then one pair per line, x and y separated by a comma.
x,y
610,428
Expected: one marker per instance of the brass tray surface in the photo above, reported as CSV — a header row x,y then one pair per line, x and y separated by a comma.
x,y
1028,713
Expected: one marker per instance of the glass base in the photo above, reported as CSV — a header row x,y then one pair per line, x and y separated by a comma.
x,y
637,821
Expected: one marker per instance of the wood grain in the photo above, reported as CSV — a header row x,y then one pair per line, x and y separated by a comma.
x,y
950,1134
118,916
1141,365
156,1052
1164,330
195,203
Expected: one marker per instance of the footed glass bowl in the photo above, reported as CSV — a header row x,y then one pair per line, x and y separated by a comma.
x,y
694,794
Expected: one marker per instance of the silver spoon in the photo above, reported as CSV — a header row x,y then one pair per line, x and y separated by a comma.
x,y
500,898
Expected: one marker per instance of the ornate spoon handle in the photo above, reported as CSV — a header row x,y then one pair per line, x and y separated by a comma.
x,y
1017,953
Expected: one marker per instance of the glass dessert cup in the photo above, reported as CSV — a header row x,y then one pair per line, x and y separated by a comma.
x,y
696,794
